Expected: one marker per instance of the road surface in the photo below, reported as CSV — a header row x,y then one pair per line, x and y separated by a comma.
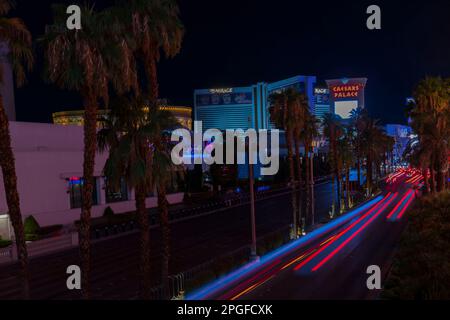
x,y
330,262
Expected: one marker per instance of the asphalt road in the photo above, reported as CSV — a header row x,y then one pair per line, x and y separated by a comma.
x,y
194,241
332,262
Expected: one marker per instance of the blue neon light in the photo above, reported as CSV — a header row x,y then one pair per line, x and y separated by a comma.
x,y
220,283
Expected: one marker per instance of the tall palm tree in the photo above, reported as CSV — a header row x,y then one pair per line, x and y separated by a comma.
x,y
332,131
346,152
431,121
88,61
301,113
356,116
282,111
371,135
310,132
156,26
15,38
128,135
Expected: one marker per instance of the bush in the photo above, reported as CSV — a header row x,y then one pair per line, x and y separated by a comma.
x,y
4,243
421,266
31,226
108,213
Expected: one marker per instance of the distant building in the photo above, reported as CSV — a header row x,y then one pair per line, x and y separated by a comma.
x,y
346,95
402,135
245,107
76,117
322,103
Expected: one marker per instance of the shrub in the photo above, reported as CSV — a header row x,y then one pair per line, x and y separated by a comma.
x,y
4,243
31,226
108,213
421,267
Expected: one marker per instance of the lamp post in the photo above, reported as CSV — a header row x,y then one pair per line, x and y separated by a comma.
x,y
253,255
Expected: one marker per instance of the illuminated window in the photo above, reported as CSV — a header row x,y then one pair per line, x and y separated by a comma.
x,y
75,192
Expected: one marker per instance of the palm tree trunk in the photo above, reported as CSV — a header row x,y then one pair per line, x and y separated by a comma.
x,y
90,145
163,209
144,225
153,87
337,175
426,180
347,186
432,180
308,184
299,177
7,164
333,196
369,174
358,164
292,181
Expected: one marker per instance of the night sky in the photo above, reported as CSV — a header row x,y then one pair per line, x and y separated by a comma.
x,y
241,42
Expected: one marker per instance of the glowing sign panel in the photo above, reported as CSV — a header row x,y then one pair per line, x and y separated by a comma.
x,y
346,91
344,108
221,90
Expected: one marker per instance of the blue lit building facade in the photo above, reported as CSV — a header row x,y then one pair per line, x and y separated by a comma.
x,y
322,103
402,135
245,107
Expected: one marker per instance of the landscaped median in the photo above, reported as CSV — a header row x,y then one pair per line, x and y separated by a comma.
x,y
421,266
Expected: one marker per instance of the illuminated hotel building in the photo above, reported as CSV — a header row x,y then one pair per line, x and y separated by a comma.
x,y
182,114
245,107
322,104
346,95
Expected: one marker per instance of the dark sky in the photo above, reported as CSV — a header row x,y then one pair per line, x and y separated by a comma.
x,y
241,42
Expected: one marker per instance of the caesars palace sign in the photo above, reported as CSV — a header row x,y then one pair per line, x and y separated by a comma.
x,y
346,91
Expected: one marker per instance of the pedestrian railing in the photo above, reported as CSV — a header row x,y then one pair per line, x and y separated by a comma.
x,y
41,247
5,254
178,282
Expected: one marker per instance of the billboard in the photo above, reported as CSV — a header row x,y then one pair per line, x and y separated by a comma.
x,y
321,95
346,95
223,97
344,108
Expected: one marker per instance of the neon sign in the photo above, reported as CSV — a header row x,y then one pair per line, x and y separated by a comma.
x,y
346,91
221,90
321,91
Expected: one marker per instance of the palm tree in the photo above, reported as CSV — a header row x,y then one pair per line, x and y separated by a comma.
x,y
371,136
310,132
282,111
431,121
346,153
87,61
155,26
300,115
356,116
332,131
16,39
128,134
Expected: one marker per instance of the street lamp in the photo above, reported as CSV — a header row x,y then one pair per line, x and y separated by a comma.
x,y
253,255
